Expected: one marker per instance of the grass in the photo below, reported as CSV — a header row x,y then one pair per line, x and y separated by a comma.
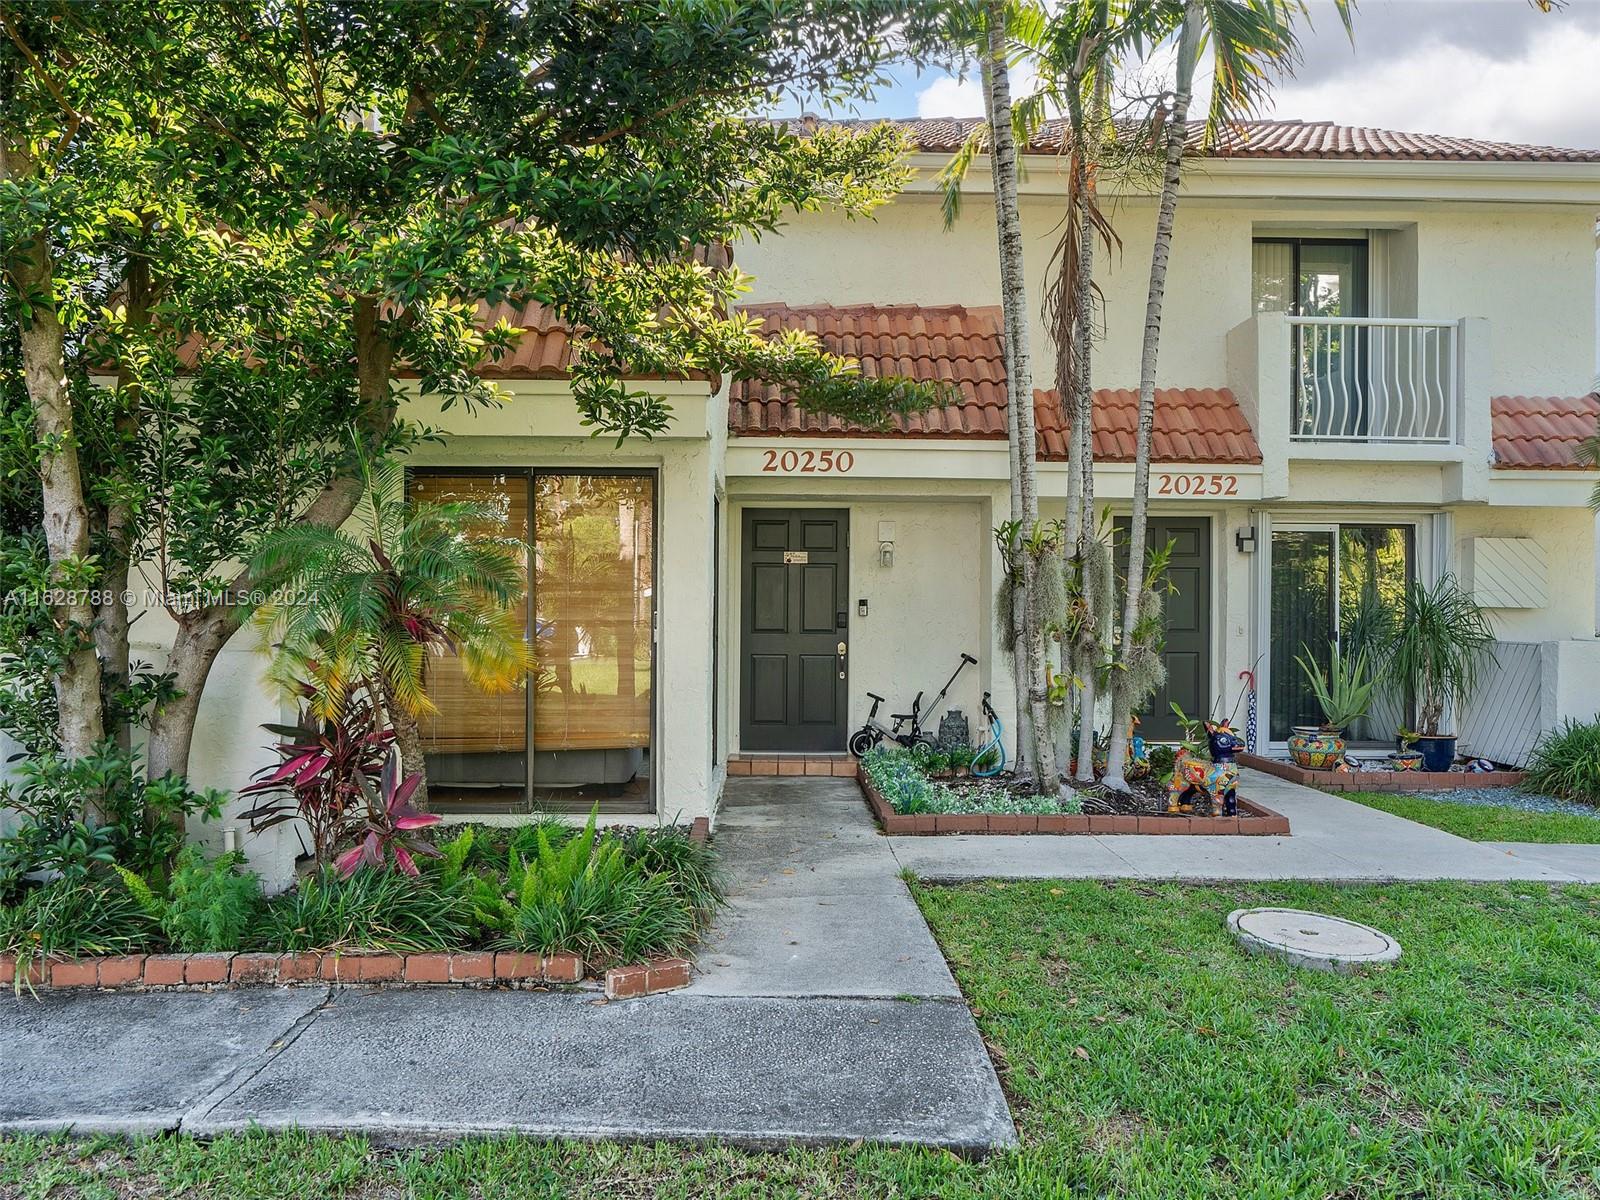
x,y
1145,1057
1485,822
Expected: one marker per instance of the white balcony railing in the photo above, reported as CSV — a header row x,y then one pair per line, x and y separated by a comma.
x,y
1374,379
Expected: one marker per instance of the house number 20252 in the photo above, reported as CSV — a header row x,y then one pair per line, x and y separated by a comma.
x,y
807,462
1197,485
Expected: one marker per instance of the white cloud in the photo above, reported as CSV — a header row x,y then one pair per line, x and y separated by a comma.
x,y
1548,92
948,96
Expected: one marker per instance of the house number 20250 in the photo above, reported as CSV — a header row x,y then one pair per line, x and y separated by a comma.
x,y
1197,485
807,462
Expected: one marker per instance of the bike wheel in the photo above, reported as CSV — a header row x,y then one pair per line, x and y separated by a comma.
x,y
861,741
923,746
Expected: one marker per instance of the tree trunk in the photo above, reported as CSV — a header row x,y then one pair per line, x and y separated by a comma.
x,y
409,740
1028,643
1016,633
172,726
1177,130
1082,444
80,722
195,647
118,521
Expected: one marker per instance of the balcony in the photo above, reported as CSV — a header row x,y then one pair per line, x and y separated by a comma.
x,y
1374,380
1368,391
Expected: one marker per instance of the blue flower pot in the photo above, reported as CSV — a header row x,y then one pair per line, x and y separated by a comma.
x,y
1437,752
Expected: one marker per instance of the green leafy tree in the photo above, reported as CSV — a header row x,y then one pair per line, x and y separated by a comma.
x,y
308,200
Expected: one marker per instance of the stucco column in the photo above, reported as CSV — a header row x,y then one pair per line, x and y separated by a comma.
x,y
1468,480
1258,373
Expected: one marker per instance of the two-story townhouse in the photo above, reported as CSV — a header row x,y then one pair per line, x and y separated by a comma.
x,y
1354,322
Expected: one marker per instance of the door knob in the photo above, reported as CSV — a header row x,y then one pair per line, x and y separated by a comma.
x,y
842,651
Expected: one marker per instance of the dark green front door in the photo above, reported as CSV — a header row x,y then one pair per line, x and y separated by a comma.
x,y
1188,623
795,599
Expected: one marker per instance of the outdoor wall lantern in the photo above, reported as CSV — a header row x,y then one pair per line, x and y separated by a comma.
x,y
1245,539
886,543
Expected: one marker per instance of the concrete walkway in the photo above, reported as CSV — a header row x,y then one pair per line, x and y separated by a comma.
x,y
824,1013
1332,839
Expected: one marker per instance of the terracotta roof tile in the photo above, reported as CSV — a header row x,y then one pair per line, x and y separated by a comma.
x,y
1543,431
964,346
1193,425
959,345
1278,139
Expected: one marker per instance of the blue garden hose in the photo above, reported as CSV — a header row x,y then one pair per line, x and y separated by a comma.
x,y
995,746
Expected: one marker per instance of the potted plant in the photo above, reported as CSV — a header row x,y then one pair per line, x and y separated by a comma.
x,y
1438,651
1343,693
1406,755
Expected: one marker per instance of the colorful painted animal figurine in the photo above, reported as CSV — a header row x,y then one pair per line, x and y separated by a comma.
x,y
1194,778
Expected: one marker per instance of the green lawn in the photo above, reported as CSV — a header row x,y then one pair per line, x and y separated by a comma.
x,y
1145,1056
1483,822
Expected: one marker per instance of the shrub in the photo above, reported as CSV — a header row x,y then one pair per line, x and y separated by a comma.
x,y
589,897
689,867
69,917
134,822
1566,763
208,906
371,910
907,788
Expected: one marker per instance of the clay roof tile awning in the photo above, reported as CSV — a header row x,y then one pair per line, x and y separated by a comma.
x,y
964,346
1543,432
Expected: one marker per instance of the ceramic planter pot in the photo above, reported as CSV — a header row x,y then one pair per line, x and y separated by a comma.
x,y
1315,749
1437,752
1407,760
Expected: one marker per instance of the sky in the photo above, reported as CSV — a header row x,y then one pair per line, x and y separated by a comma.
x,y
1496,69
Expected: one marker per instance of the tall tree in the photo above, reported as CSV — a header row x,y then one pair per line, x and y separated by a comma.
x,y
1023,538
381,168
1251,41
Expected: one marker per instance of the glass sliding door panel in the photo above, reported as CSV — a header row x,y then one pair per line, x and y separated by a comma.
x,y
477,743
594,601
1302,623
1332,282
1375,565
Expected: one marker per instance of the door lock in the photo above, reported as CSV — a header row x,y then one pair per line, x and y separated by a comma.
x,y
842,651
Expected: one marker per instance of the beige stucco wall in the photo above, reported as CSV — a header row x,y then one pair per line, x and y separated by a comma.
x,y
927,609
1567,537
1529,270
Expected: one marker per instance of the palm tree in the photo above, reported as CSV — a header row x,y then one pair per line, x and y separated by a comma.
x,y
1022,537
1250,41
413,580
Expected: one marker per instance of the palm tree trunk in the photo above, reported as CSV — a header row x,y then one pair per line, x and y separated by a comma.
x,y
1028,642
408,738
1177,131
80,719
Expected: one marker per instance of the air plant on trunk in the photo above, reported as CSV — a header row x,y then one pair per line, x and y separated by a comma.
x,y
416,581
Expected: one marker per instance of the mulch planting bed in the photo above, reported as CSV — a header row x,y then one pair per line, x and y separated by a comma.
x,y
1104,812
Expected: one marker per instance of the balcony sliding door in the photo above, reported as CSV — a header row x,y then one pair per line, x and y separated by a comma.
x,y
580,732
1324,279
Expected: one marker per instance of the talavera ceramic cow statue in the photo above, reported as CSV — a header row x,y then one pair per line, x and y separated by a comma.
x,y
1194,778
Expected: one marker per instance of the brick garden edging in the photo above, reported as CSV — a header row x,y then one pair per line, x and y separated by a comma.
x,y
1380,781
468,968
1259,821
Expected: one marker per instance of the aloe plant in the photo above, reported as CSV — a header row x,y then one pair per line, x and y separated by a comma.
x,y
1345,690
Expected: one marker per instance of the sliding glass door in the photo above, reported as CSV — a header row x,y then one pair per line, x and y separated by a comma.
x,y
1334,584
580,731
